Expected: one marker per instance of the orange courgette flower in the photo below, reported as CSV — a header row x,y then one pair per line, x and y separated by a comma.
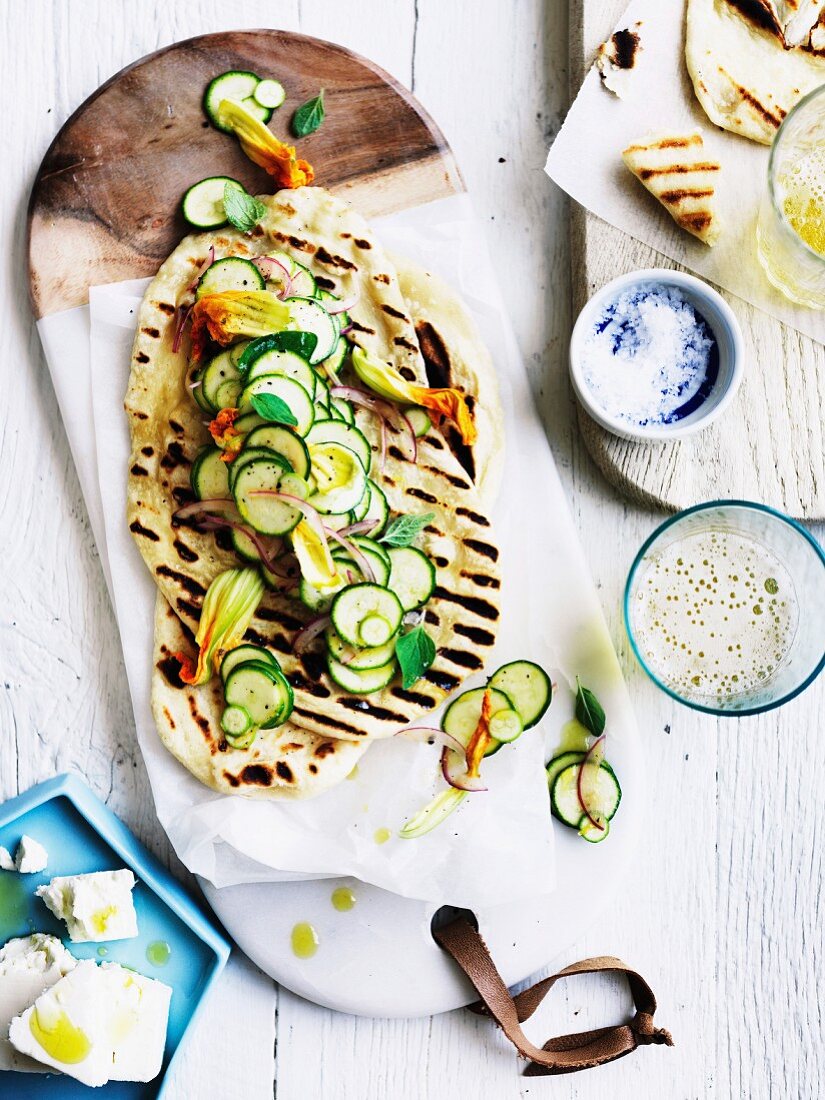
x,y
481,736
225,434
227,611
261,146
388,382
234,313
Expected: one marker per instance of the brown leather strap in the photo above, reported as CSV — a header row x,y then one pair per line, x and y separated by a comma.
x,y
568,1053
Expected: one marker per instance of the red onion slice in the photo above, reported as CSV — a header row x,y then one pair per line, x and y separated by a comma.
x,y
207,263
361,528
311,631
454,770
384,409
593,759
210,504
262,262
184,313
431,735
360,559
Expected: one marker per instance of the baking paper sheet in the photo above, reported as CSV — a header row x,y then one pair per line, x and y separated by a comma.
x,y
585,161
498,844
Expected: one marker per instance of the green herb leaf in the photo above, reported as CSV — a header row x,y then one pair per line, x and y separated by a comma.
x,y
404,530
309,116
415,651
589,710
273,408
302,343
242,210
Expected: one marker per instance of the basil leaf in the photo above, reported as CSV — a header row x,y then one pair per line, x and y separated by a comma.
x,y
589,710
273,408
309,116
242,210
404,530
415,651
302,343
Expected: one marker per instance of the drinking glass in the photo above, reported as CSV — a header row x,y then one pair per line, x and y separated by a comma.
x,y
790,232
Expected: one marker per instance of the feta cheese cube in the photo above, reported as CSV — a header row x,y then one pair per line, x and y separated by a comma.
x,y
97,1024
28,966
96,907
31,857
139,1024
6,861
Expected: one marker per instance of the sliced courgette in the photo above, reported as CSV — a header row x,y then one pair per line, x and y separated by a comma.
x,y
285,363
209,475
236,721
412,576
262,691
310,316
265,513
285,442
564,795
288,390
230,273
361,682
269,94
239,86
217,371
202,205
366,615
246,652
359,660
419,420
378,511
335,361
528,685
462,716
339,477
336,431
560,762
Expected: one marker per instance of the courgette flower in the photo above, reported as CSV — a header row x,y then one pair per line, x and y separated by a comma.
x,y
314,558
227,611
389,383
261,146
232,313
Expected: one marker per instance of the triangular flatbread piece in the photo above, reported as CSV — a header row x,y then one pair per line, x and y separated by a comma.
x,y
676,169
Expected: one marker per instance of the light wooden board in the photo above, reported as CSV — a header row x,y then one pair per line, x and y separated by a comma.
x,y
723,911
770,445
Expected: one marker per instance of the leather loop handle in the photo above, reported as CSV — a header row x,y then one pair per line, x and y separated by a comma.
x,y
567,1053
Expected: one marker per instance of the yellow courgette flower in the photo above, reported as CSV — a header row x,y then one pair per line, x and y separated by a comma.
x,y
388,382
314,558
261,146
227,611
234,313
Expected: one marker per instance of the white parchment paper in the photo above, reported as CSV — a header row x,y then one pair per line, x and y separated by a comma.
x,y
498,844
585,161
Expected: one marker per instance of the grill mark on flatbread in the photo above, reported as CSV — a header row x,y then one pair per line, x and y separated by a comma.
x,y
324,749
666,143
295,242
258,774
328,720
301,683
142,357
419,494
174,457
177,428
328,258
361,328
382,713
139,471
414,697
439,376
764,112
408,373
668,169
184,552
482,521
483,548
458,482
677,196
445,681
431,617
391,311
277,615
147,452
475,634
403,342
166,307
186,607
324,283
359,242
153,332
137,528
284,772
183,495
193,587
461,658
483,580
202,723
231,779
475,604
758,13
169,668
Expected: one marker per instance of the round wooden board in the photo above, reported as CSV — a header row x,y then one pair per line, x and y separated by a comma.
x,y
105,205
770,444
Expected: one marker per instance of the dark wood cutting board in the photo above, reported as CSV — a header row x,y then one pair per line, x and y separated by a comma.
x,y
105,204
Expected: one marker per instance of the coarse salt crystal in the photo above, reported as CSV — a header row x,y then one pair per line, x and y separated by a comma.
x,y
648,355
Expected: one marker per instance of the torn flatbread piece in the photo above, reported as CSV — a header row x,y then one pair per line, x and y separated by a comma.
x,y
677,170
616,58
746,73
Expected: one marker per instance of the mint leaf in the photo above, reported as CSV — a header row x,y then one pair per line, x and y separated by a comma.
x,y
273,408
589,710
309,116
404,530
242,210
415,651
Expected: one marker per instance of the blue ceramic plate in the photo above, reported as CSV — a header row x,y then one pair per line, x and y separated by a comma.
x,y
81,835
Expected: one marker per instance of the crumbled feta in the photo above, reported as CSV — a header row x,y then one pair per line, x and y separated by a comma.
x,y
28,966
96,907
31,857
6,861
97,1024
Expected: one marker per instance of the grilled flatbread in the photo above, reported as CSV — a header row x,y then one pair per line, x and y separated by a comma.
x,y
287,762
616,58
676,169
746,72
406,316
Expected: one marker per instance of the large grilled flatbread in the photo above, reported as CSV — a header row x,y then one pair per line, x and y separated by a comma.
x,y
453,482
745,74
677,170
287,762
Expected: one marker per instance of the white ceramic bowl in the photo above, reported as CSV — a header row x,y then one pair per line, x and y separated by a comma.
x,y
721,320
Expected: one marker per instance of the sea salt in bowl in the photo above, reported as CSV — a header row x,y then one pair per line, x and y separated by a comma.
x,y
656,355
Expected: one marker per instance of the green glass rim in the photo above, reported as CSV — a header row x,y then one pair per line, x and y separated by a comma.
x,y
800,105
720,712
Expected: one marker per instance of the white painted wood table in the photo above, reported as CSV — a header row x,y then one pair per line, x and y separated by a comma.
x,y
723,910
